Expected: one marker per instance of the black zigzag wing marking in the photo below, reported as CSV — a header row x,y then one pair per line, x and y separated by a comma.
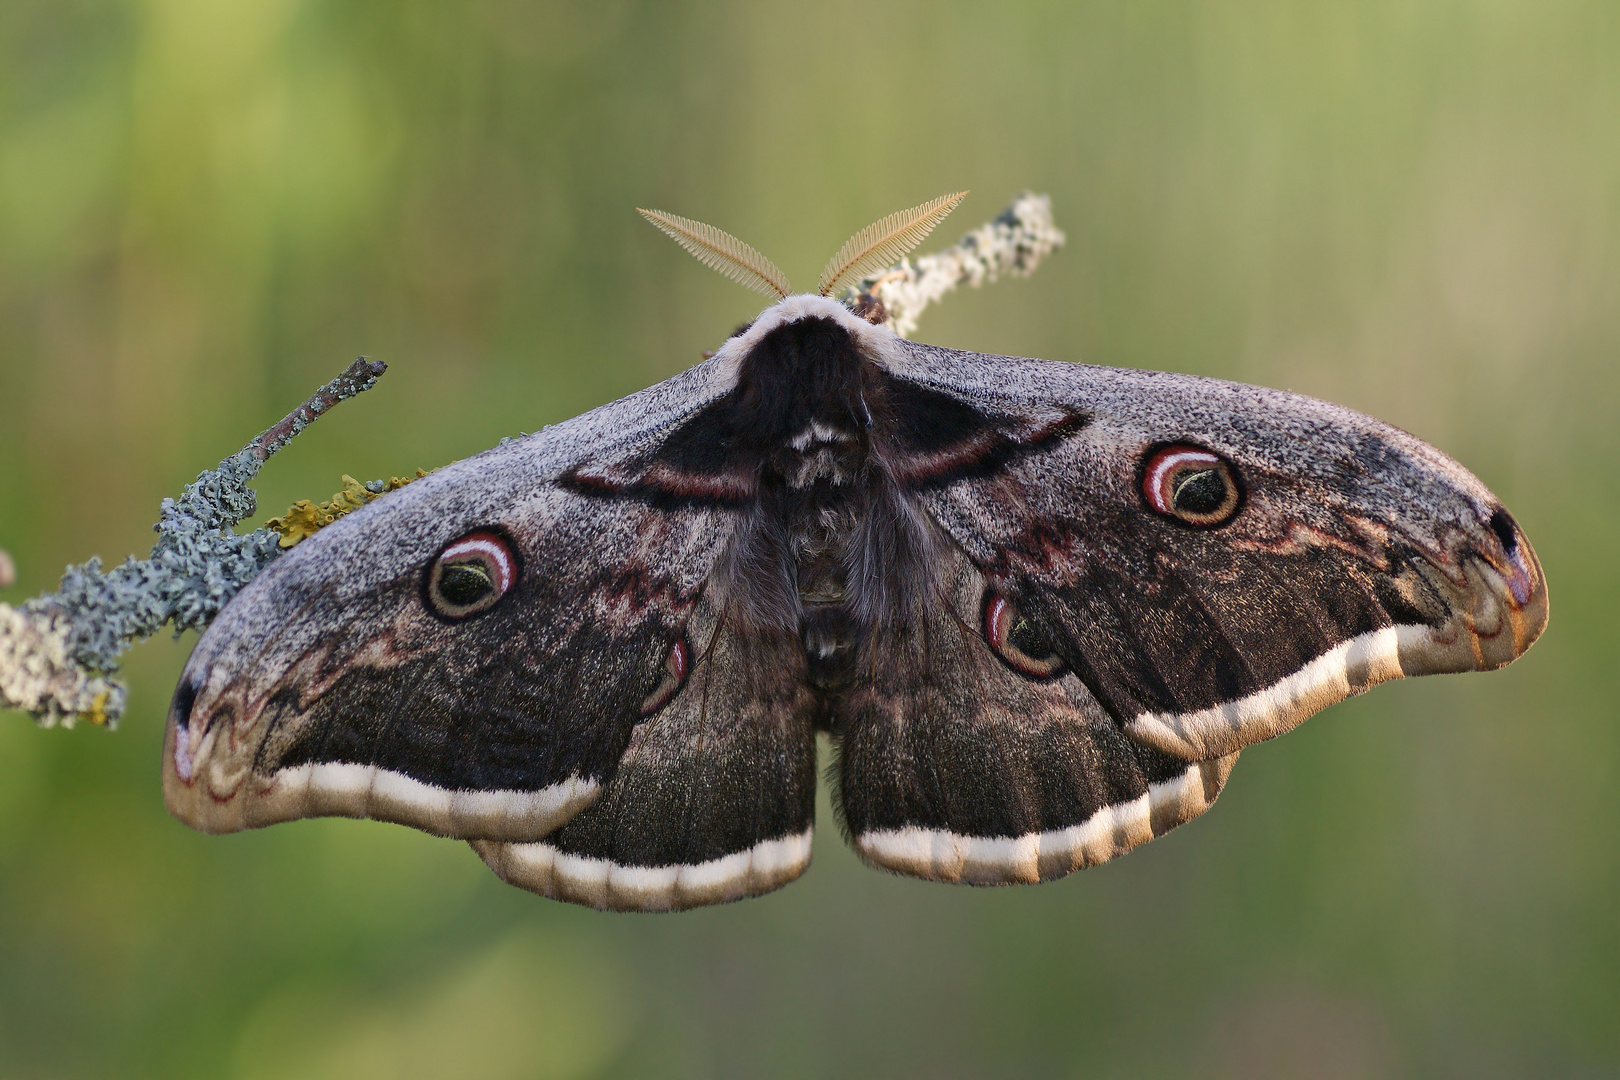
x,y
713,800
808,375
953,766
932,439
1358,553
333,684
799,374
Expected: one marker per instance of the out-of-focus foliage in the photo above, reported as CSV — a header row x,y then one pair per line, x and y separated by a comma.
x,y
207,207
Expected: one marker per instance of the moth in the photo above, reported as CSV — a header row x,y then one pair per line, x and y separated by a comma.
x,y
1037,607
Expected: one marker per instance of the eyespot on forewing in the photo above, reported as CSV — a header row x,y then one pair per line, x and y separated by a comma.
x,y
471,574
1191,485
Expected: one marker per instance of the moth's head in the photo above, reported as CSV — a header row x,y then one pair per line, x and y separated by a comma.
x,y
787,326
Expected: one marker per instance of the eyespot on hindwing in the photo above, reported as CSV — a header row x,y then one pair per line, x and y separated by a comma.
x,y
1017,641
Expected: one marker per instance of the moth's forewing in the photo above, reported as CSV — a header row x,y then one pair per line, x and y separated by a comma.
x,y
337,683
1359,553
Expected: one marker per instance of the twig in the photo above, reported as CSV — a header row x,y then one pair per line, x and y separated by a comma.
x,y
357,378
1014,243
59,652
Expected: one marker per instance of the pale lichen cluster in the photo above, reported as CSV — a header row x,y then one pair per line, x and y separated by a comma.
x,y
39,675
1014,243
59,652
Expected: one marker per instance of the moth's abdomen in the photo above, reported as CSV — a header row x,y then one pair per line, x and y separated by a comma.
x,y
823,524
830,635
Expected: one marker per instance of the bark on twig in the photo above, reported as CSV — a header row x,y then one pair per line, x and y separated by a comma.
x,y
357,378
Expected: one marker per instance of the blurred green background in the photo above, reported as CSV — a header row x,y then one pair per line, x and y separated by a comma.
x,y
208,207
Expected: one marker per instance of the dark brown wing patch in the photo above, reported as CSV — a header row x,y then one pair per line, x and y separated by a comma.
x,y
932,439
713,800
953,766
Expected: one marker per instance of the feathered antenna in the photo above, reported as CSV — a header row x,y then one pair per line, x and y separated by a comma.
x,y
882,243
723,252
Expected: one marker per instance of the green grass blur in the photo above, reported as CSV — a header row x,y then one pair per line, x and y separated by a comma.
x,y
208,208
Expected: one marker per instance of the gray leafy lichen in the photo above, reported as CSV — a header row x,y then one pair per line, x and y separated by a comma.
x,y
196,566
59,652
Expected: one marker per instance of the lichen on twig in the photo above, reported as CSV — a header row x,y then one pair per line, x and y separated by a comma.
x,y
59,652
1014,243
305,518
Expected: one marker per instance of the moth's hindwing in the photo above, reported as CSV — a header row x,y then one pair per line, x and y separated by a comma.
x,y
713,800
964,763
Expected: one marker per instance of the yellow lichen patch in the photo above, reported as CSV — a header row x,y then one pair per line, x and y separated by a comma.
x,y
97,714
303,518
